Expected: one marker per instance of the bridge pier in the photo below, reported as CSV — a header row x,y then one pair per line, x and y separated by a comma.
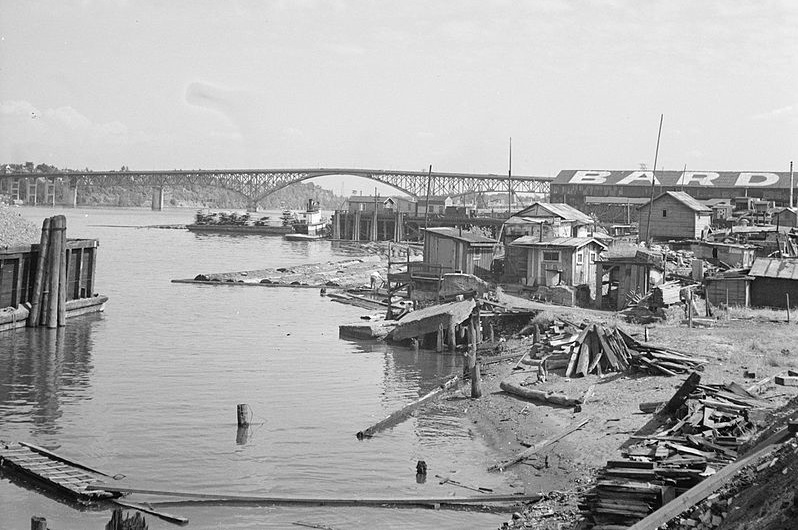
x,y
375,232
73,196
252,206
157,199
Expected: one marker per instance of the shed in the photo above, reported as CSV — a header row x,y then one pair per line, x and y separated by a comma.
x,y
674,215
734,255
774,280
560,261
367,203
786,217
732,289
625,273
457,250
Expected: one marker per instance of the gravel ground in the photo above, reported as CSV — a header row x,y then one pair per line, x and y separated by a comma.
x,y
14,230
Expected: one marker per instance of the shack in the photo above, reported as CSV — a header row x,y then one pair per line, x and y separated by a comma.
x,y
560,261
675,215
457,250
545,221
726,255
786,217
625,275
774,282
731,288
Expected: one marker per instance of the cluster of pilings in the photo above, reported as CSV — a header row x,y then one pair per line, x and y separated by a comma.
x,y
48,301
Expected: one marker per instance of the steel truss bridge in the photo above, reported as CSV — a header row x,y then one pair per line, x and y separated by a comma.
x,y
256,184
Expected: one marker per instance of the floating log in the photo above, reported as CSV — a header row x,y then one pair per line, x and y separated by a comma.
x,y
39,279
501,466
405,411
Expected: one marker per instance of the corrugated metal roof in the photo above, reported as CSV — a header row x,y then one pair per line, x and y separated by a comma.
x,y
574,242
462,235
785,269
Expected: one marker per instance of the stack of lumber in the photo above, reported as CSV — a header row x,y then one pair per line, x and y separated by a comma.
x,y
665,294
702,437
660,359
597,349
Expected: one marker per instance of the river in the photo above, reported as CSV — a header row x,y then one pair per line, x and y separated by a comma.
x,y
149,389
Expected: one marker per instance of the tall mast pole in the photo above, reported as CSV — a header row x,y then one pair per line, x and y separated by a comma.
x,y
792,186
510,180
426,209
653,180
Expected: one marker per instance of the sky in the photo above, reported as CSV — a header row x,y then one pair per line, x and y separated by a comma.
x,y
399,85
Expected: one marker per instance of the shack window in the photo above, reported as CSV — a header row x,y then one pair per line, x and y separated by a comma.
x,y
580,258
664,213
592,257
551,255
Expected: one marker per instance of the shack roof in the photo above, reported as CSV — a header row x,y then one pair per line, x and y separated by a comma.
x,y
379,199
784,269
563,242
461,235
555,209
427,320
683,198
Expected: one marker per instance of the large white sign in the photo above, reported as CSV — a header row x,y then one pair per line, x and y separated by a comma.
x,y
718,179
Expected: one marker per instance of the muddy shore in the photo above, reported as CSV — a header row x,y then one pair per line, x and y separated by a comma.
x,y
565,470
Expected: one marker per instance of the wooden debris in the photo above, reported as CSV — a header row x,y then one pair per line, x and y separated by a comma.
x,y
538,395
786,380
700,431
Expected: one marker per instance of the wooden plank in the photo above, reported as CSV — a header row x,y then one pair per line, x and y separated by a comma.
x,y
501,466
786,380
681,395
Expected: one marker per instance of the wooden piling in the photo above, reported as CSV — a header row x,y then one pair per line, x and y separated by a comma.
x,y
39,277
476,381
645,333
62,276
38,523
788,308
492,333
535,334
54,268
439,343
241,414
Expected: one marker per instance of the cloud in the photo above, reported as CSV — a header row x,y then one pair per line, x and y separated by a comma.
x,y
776,113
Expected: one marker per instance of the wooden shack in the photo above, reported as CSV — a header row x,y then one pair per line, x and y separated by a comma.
x,y
675,215
730,289
17,271
774,280
457,250
560,261
626,274
786,217
730,254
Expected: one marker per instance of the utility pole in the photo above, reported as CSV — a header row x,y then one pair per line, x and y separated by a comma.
x,y
653,180
510,181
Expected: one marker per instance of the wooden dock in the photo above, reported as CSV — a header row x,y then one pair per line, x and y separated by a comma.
x,y
56,473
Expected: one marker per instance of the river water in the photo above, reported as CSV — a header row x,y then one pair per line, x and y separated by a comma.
x,y
149,389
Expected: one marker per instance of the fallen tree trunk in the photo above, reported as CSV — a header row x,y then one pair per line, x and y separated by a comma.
x,y
539,395
405,411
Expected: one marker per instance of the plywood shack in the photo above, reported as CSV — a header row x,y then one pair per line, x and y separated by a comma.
x,y
733,255
674,215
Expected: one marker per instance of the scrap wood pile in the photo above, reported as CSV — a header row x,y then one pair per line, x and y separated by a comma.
x,y
659,359
703,436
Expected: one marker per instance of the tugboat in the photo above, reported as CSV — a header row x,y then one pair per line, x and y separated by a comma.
x,y
310,226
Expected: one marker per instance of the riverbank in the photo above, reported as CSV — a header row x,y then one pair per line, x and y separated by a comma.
x,y
568,467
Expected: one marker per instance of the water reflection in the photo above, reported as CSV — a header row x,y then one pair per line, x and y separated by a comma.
x,y
42,370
